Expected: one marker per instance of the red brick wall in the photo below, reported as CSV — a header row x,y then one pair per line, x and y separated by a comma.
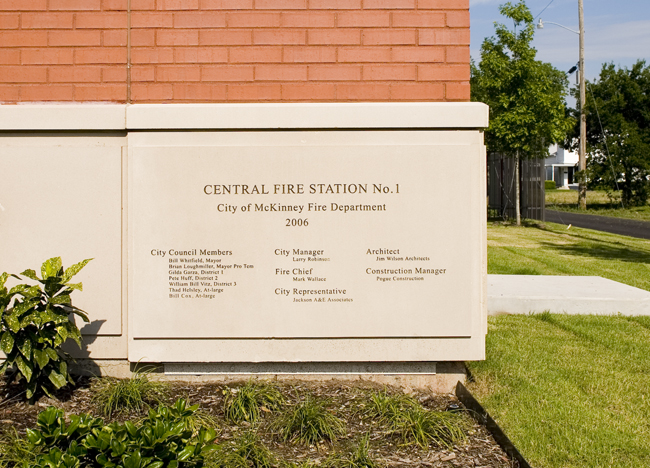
x,y
235,50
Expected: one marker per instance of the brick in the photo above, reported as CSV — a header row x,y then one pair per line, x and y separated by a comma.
x,y
268,54
227,73
101,92
364,54
443,4
23,38
226,4
9,93
181,37
143,37
359,19
114,38
23,74
151,92
46,93
363,92
281,72
200,55
279,36
308,19
334,73
389,4
102,20
458,54
457,91
143,5
334,36
114,74
443,72
74,38
10,56
152,19
310,54
417,91
334,4
23,5
308,92
203,92
254,92
458,19
177,4
47,20
421,54
418,19
47,56
100,55
9,21
141,73
157,55
75,5
74,74
114,5
253,20
200,19
180,73
280,4
385,72
389,36
226,37
444,36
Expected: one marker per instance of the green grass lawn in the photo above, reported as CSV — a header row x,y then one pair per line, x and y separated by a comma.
x,y
552,249
598,203
569,391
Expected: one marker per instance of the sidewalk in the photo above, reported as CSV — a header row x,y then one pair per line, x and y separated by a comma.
x,y
522,294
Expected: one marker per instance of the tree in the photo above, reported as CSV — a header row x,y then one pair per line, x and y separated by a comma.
x,y
526,96
619,151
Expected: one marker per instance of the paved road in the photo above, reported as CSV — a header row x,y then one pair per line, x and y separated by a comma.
x,y
626,227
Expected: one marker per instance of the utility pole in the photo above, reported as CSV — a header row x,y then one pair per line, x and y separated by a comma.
x,y
582,162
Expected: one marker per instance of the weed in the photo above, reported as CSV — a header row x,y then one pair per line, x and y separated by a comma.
x,y
361,458
246,403
134,394
245,451
309,422
15,450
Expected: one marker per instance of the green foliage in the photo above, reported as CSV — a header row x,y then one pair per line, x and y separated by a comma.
x,y
550,185
34,324
413,424
163,439
309,422
134,394
619,152
360,458
244,451
15,450
246,403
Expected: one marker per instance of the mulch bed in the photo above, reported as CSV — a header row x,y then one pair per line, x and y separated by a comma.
x,y
479,450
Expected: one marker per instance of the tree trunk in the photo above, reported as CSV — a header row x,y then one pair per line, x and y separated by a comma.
x,y
517,190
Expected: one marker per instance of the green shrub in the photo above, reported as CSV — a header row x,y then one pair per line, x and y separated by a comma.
x,y
134,394
309,422
550,185
15,451
34,324
162,439
245,451
246,403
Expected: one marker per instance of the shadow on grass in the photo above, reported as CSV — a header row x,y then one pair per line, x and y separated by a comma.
x,y
606,252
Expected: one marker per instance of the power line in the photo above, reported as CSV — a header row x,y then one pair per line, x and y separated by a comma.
x,y
549,4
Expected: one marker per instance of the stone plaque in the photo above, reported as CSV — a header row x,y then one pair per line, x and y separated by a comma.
x,y
294,240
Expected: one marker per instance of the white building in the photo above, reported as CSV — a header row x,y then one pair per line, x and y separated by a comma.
x,y
561,166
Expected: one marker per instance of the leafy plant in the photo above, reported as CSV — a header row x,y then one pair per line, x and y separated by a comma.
x,y
412,423
309,422
245,451
15,450
246,403
134,394
163,439
35,322
361,456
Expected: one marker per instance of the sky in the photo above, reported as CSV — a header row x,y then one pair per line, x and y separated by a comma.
x,y
615,31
